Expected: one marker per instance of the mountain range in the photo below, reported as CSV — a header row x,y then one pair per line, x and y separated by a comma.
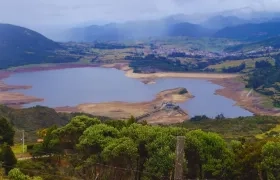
x,y
252,32
136,30
21,46
219,22
220,26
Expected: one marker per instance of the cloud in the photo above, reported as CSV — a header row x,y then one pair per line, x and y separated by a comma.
x,y
70,12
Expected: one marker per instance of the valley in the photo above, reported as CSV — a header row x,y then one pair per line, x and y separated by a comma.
x,y
150,61
118,101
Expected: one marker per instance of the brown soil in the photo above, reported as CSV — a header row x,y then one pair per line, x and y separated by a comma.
x,y
4,74
129,73
16,99
50,67
123,110
235,90
5,87
165,117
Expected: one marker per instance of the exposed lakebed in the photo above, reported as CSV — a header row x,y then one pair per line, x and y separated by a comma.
x,y
70,87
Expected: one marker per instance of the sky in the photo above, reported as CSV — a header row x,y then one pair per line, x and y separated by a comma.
x,y
61,13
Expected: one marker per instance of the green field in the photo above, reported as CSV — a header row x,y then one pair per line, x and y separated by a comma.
x,y
18,149
273,132
250,63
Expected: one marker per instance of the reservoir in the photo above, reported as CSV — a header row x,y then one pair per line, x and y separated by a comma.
x,y
70,87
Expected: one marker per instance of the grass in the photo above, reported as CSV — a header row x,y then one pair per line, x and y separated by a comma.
x,y
250,63
264,135
267,102
235,128
18,149
209,44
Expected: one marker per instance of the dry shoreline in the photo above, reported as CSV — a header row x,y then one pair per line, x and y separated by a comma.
x,y
123,110
231,88
157,75
17,99
235,90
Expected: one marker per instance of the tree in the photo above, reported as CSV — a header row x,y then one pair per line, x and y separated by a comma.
x,y
234,69
271,160
247,160
122,153
220,117
16,174
131,120
161,156
96,138
71,133
263,64
91,144
207,156
50,144
277,61
7,132
7,158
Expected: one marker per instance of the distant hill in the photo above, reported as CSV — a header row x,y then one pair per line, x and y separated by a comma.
x,y
252,32
273,42
21,46
188,29
219,22
36,118
137,30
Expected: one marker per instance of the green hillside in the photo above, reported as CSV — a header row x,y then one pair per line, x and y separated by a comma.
x,y
35,118
273,42
21,46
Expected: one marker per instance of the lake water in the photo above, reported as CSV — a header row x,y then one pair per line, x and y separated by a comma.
x,y
70,87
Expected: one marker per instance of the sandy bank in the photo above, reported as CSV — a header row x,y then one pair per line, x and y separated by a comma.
x,y
123,110
130,74
16,99
235,90
5,87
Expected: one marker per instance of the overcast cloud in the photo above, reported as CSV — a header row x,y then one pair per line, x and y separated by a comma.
x,y
36,13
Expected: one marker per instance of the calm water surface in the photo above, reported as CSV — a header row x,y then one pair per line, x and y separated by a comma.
x,y
70,87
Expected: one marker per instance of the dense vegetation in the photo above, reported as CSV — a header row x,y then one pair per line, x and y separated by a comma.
x,y
272,42
265,80
87,148
7,157
153,63
100,45
234,69
20,46
34,118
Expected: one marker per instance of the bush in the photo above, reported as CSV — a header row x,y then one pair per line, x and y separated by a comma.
x,y
183,91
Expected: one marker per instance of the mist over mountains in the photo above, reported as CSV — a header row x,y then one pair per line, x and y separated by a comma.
x,y
218,25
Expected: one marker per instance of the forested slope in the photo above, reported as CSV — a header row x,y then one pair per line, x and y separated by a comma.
x,y
21,46
127,150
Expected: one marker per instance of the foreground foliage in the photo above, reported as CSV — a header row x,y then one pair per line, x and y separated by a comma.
x,y
87,148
